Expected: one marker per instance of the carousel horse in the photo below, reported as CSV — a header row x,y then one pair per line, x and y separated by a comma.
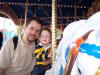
x,y
87,60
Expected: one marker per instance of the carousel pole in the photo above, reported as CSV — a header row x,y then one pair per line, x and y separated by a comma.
x,y
75,11
54,24
83,15
67,19
98,71
68,61
88,14
26,12
20,27
61,26
20,20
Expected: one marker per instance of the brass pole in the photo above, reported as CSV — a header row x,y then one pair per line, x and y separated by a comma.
x,y
54,25
61,27
98,71
88,14
35,13
26,12
75,11
21,20
67,19
20,25
83,15
68,61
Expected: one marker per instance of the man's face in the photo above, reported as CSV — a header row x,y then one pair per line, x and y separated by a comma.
x,y
32,31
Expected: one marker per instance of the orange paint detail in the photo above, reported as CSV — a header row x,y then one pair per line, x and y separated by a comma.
x,y
75,50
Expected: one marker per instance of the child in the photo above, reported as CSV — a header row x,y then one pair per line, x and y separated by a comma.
x,y
43,53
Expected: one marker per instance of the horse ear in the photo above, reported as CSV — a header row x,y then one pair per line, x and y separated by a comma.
x,y
85,36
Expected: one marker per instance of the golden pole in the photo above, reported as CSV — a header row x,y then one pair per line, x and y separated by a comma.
x,y
83,15
88,14
20,29
98,71
21,20
26,12
75,11
68,61
54,24
67,19
35,13
61,27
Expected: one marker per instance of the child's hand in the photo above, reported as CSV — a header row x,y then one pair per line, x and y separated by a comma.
x,y
50,54
48,61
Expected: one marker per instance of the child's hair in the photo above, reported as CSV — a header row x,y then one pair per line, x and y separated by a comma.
x,y
46,30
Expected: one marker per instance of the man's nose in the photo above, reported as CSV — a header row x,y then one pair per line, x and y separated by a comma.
x,y
34,31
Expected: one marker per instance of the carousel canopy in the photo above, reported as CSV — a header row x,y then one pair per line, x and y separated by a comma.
x,y
43,9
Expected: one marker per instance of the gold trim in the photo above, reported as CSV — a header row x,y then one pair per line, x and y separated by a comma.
x,y
98,71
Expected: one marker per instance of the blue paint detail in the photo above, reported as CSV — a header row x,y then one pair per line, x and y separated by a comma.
x,y
66,54
61,70
90,49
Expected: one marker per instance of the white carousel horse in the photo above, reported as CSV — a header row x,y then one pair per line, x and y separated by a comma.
x,y
71,33
88,60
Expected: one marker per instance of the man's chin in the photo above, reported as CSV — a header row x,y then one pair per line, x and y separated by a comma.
x,y
31,40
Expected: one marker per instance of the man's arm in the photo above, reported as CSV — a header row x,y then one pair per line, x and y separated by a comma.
x,y
6,54
2,72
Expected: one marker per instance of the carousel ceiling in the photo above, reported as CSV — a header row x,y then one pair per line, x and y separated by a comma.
x,y
43,9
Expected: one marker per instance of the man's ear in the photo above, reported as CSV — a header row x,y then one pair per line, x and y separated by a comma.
x,y
39,38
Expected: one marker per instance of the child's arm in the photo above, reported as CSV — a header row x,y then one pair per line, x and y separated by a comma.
x,y
44,56
49,61
36,51
40,54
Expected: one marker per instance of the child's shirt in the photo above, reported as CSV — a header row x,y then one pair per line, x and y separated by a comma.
x,y
41,52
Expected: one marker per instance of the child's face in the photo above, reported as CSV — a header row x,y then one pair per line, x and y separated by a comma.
x,y
45,37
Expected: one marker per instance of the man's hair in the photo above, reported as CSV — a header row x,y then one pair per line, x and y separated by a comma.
x,y
34,19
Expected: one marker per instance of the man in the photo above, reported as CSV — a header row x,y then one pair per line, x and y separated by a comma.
x,y
20,60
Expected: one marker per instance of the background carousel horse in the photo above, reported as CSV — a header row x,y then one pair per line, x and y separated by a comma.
x,y
74,31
